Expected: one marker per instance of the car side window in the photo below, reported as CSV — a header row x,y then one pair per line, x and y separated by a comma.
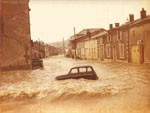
x,y
74,71
82,70
89,69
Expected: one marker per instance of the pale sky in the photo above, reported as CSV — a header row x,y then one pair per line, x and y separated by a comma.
x,y
52,20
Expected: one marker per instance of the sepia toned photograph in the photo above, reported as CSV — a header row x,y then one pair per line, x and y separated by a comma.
x,y
74,56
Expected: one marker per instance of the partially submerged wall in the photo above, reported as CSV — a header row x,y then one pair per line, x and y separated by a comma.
x,y
15,48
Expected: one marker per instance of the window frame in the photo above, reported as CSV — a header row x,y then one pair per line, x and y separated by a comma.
x,y
121,51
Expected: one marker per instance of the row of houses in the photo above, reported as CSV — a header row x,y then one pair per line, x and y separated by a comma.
x,y
128,42
41,50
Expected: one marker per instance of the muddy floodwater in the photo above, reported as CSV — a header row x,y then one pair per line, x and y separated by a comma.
x,y
121,88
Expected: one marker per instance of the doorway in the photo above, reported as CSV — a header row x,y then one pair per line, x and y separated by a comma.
x,y
137,54
114,54
101,52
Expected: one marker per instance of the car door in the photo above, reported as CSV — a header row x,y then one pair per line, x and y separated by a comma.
x,y
73,74
91,73
83,73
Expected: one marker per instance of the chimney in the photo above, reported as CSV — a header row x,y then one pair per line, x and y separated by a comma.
x,y
143,13
110,26
88,33
116,24
131,17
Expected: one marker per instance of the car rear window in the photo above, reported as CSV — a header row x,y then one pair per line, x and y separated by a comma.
x,y
89,69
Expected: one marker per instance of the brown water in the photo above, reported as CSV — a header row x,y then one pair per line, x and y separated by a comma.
x,y
121,88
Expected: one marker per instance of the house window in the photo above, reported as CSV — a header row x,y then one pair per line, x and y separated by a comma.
x,y
78,51
89,52
121,50
94,52
133,33
120,34
108,50
101,41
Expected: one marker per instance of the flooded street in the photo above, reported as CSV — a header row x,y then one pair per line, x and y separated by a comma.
x,y
121,88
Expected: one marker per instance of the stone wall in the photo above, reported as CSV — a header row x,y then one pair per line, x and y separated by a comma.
x,y
147,43
141,32
0,32
15,41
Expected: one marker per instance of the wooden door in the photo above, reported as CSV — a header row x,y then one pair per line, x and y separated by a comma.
x,y
136,54
101,52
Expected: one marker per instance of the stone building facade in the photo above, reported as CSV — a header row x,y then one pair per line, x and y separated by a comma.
x,y
118,36
76,46
0,32
101,37
91,49
15,40
123,44
85,43
91,44
108,46
35,50
129,42
80,50
51,50
139,39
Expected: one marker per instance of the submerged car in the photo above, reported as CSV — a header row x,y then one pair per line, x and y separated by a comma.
x,y
85,72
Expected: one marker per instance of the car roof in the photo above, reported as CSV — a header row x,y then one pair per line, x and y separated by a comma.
x,y
82,67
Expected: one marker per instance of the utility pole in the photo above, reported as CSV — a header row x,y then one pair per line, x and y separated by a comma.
x,y
63,47
75,41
